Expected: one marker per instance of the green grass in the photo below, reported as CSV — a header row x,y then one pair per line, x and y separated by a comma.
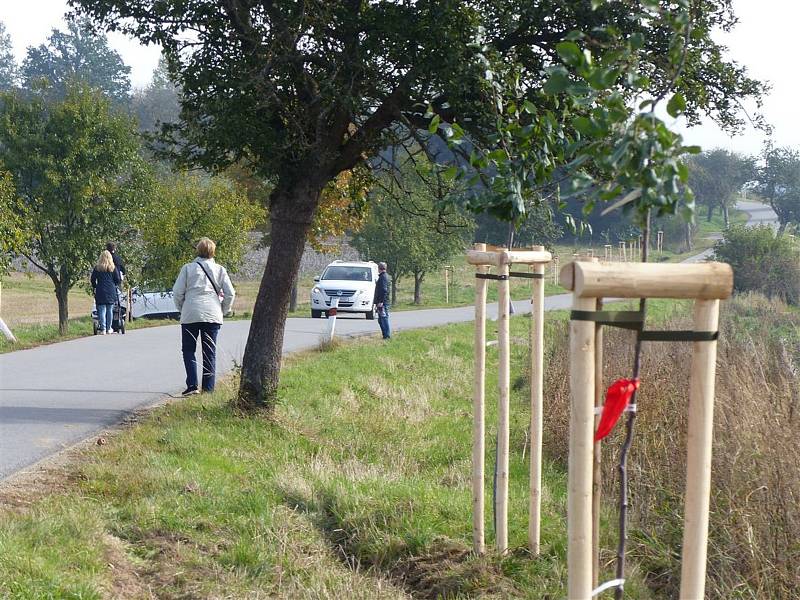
x,y
359,488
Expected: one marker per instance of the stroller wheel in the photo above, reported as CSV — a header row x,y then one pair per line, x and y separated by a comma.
x,y
122,328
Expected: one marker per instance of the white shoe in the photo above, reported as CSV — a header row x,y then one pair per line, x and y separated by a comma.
x,y
109,332
101,332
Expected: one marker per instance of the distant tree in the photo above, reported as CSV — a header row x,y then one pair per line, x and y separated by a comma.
x,y
779,184
76,168
76,55
716,178
409,230
158,102
539,227
183,208
8,64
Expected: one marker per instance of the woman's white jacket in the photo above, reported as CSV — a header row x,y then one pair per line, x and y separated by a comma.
x,y
194,295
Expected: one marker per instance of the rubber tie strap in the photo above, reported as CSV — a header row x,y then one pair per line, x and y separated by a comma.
x,y
625,319
607,586
526,275
598,410
679,336
490,276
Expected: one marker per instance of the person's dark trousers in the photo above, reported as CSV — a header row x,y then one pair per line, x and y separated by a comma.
x,y
207,332
383,321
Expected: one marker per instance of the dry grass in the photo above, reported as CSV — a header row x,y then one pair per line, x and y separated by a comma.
x,y
30,300
754,549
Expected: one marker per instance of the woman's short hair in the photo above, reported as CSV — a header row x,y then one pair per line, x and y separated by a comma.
x,y
206,248
105,262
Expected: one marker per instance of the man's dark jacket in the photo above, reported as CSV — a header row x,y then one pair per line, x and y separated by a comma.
x,y
381,289
118,264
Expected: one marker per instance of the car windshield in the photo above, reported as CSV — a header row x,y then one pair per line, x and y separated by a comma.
x,y
348,273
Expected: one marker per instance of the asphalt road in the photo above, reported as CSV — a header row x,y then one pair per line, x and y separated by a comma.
x,y
54,396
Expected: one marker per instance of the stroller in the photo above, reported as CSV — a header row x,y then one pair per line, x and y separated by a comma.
x,y
118,318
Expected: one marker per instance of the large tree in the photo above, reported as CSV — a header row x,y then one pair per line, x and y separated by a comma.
x,y
717,177
8,64
779,184
76,55
304,90
78,177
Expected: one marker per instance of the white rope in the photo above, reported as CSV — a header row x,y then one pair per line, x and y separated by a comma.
x,y
607,586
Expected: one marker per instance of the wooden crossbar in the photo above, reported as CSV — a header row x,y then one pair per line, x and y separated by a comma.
x,y
502,256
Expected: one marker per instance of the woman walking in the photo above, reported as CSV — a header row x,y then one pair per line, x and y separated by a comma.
x,y
203,293
105,280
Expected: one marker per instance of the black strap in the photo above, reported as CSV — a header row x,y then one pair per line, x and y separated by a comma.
x,y
490,276
526,275
213,283
678,336
633,319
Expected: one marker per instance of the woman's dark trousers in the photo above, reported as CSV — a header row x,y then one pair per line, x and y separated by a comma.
x,y
207,332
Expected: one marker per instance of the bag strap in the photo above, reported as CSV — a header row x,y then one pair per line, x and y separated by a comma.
x,y
213,283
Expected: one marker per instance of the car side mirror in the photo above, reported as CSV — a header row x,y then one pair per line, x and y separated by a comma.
x,y
316,278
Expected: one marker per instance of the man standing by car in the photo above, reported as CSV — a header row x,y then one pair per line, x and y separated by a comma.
x,y
381,300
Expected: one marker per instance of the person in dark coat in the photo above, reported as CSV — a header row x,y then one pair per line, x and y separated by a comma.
x,y
118,264
105,279
381,300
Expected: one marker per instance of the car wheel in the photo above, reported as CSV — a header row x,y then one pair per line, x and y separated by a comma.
x,y
370,314
316,314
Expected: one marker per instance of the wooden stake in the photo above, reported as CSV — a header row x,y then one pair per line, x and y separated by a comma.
x,y
504,384
555,269
581,433
478,412
537,397
597,470
622,257
446,287
698,462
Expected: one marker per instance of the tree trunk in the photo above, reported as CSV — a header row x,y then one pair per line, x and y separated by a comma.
x,y
293,297
725,215
291,214
62,295
418,277
688,233
710,212
394,291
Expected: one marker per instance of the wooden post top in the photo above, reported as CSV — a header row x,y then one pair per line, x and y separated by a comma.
x,y
499,256
707,281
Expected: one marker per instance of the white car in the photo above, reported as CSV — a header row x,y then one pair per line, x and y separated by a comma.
x,y
353,283
154,304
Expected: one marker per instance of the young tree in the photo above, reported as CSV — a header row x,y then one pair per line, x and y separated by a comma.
x,y
717,176
76,55
305,90
183,208
779,184
13,235
76,168
8,64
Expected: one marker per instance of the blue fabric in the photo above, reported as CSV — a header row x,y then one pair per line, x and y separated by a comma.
x,y
207,332
104,285
383,321
105,316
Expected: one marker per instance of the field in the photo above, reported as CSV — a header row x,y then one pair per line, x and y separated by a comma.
x,y
359,486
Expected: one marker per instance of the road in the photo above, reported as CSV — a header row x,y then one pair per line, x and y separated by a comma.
x,y
54,396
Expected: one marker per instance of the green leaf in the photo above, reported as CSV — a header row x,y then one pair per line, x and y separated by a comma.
x,y
676,105
570,53
434,124
557,82
597,4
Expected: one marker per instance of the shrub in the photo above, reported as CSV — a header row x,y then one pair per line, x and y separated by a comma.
x,y
762,261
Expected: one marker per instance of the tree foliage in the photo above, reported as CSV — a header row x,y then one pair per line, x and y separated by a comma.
x,y
157,103
779,183
762,261
76,55
8,64
184,208
407,228
13,235
717,176
303,91
77,172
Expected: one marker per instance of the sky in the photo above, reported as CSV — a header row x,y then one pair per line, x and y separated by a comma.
x,y
762,42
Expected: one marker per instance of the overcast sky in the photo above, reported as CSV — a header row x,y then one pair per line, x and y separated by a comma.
x,y
763,42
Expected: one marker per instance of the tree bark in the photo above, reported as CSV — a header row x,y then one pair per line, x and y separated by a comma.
x,y
62,295
688,233
293,297
291,213
725,215
710,212
394,290
418,277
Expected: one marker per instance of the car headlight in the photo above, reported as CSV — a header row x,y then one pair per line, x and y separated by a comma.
x,y
316,290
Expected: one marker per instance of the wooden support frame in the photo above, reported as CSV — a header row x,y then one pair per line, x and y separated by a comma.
x,y
484,257
706,284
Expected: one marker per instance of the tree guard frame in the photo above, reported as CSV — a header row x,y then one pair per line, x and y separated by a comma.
x,y
484,257
590,282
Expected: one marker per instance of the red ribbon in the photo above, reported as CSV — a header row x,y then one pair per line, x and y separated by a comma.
x,y
618,396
